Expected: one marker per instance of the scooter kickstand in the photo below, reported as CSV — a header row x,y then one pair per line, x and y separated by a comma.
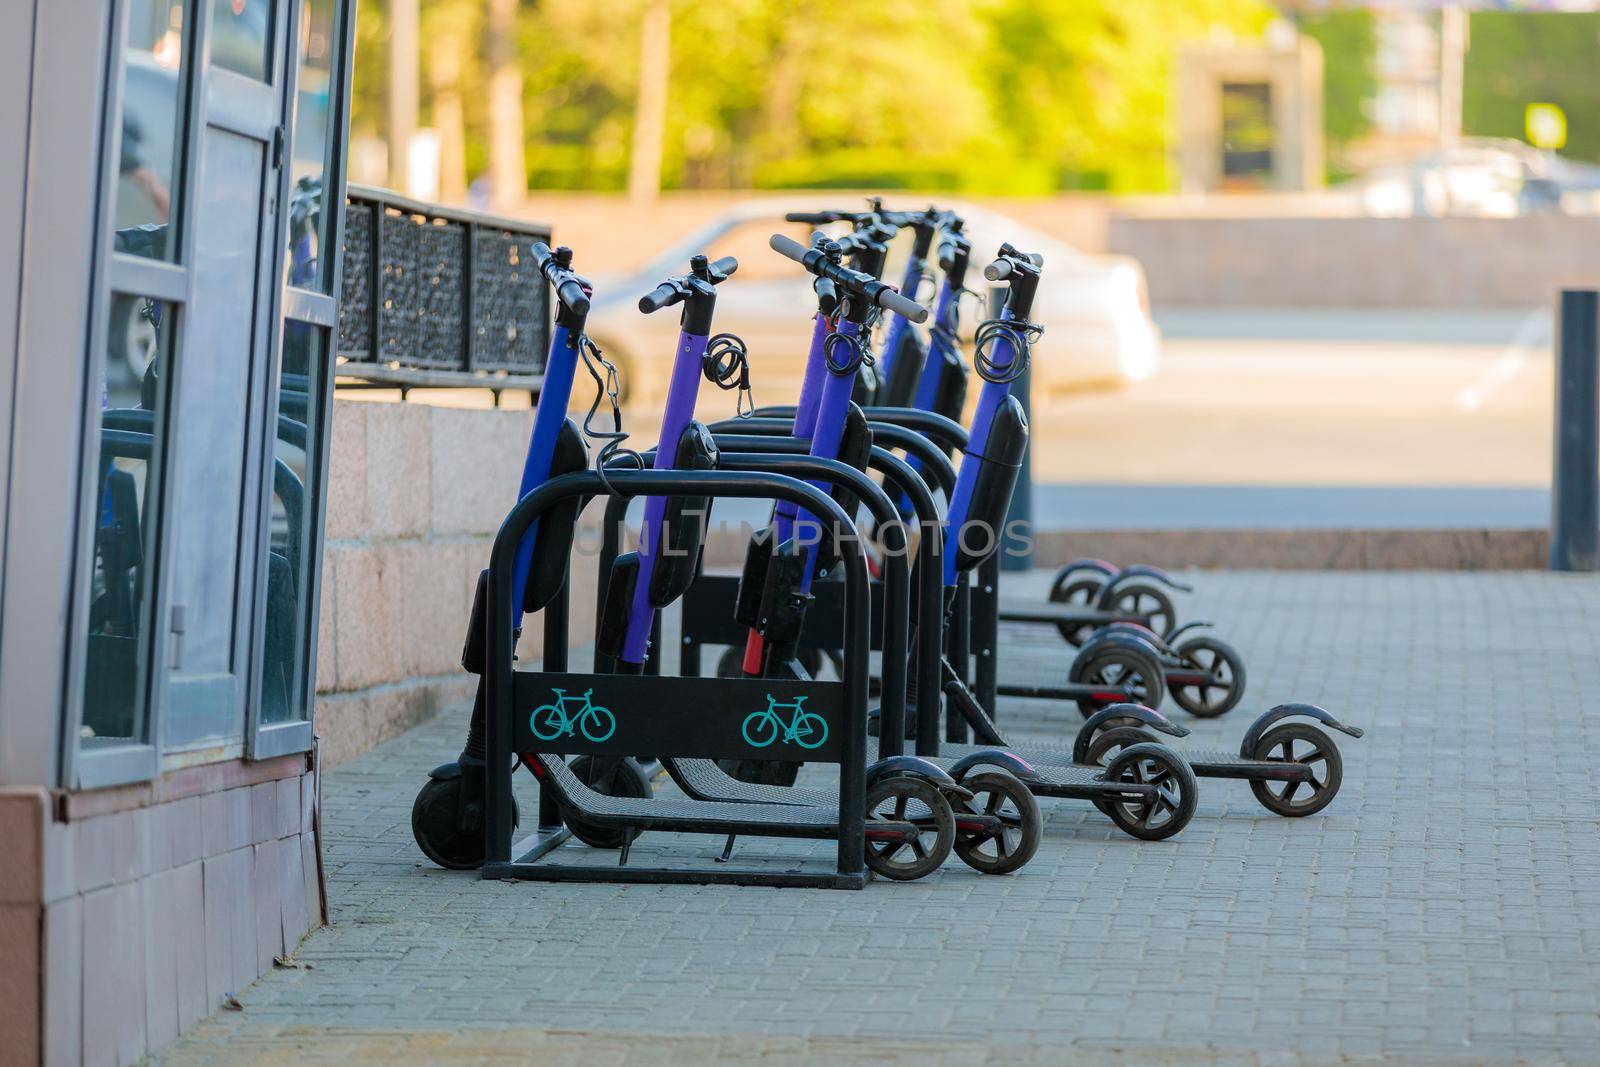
x,y
727,850
627,843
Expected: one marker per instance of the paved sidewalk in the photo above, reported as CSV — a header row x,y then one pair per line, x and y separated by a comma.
x,y
1445,908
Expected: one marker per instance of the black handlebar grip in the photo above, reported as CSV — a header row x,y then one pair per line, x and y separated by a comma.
x,y
999,270
573,296
788,247
815,218
902,306
723,268
663,295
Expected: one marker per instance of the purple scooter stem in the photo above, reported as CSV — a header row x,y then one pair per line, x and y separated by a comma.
x,y
682,394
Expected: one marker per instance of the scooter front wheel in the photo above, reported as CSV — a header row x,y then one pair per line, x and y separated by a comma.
x,y
622,778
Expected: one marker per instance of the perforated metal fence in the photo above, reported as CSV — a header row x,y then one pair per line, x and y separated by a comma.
x,y
439,297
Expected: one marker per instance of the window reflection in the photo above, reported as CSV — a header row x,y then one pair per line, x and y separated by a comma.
x,y
309,165
240,32
290,544
117,649
150,140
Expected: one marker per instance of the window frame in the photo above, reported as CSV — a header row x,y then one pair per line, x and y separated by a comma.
x,y
117,274
318,310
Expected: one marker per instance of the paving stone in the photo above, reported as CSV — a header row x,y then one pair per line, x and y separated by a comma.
x,y
1443,909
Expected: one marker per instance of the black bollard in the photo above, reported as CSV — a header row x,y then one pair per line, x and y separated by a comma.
x,y
1575,484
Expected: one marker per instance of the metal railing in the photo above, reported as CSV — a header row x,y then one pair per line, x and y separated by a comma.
x,y
439,297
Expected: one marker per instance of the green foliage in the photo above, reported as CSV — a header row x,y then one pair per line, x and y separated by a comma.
x,y
1521,59
992,96
1349,41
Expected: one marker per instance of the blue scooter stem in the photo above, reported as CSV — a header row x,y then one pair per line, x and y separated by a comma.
x,y
993,394
805,414
910,282
827,432
559,370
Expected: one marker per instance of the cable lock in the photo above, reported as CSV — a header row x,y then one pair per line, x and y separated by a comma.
x,y
607,386
726,365
1020,334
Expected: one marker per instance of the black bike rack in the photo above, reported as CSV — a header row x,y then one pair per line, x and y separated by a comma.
x,y
689,717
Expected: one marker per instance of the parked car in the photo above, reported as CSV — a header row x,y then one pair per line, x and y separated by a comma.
x,y
1095,311
1484,176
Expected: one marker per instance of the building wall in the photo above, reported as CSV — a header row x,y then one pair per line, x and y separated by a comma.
x,y
128,914
415,495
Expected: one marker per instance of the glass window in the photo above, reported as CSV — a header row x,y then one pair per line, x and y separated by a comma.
x,y
292,530
240,33
313,133
150,142
120,598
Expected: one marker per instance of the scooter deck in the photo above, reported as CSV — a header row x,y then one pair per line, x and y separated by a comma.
x,y
689,816
1061,778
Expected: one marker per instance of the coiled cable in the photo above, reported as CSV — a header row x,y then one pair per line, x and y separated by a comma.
x,y
608,387
726,365
1020,334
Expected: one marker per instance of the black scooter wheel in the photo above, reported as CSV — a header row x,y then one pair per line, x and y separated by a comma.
x,y
436,825
615,778
1178,792
915,800
1219,659
1133,675
1297,742
1078,594
1111,741
1149,603
762,771
1001,795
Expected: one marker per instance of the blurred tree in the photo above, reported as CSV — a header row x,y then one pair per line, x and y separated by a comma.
x,y
650,101
1005,96
508,169
449,27
1349,41
1517,59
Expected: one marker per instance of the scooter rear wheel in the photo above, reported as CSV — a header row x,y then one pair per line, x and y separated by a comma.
x,y
1080,594
1000,794
1116,667
1111,741
1215,657
1299,742
916,800
1178,792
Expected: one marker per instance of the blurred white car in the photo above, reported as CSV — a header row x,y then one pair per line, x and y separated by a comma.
x,y
1098,329
1484,177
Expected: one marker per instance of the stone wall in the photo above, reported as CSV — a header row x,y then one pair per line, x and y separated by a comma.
x,y
1249,261
129,914
415,494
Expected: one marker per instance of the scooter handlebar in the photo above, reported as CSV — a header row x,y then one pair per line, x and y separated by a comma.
x,y
816,261
789,247
902,306
723,268
664,295
569,290
1008,262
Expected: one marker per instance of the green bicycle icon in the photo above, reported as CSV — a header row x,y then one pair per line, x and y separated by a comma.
x,y
806,729
551,721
